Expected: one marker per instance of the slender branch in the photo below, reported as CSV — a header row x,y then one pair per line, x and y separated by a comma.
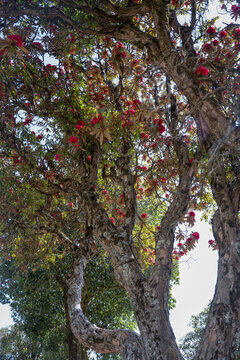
x,y
193,14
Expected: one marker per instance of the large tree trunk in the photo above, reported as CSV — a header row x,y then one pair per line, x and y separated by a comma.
x,y
76,350
222,336
152,316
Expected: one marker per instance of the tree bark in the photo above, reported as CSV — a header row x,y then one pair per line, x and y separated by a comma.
x,y
222,335
152,316
76,350
100,340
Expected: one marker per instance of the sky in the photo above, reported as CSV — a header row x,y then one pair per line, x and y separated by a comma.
x,y
5,316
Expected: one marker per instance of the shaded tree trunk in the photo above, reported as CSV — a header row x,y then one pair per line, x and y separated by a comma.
x,y
222,335
152,316
76,351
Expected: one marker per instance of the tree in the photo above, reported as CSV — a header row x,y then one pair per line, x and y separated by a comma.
x,y
135,122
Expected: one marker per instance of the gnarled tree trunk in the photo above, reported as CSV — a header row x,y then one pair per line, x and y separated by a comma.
x,y
222,336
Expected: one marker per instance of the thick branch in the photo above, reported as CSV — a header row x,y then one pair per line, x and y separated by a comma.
x,y
99,340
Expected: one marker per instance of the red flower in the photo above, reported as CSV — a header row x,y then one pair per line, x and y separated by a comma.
x,y
215,42
191,213
57,157
37,44
161,128
211,242
96,120
39,137
136,101
163,179
179,244
201,70
157,120
80,125
71,204
27,121
73,139
112,220
144,216
16,39
235,8
207,47
223,34
211,30
196,235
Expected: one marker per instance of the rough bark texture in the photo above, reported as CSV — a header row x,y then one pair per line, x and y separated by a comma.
x,y
222,335
75,349
100,340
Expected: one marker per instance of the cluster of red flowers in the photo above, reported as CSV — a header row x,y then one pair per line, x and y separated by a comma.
x,y
80,125
38,44
95,120
161,127
236,10
73,140
207,47
223,34
163,179
202,70
211,30
16,39
196,235
119,215
142,168
213,244
27,121
188,245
